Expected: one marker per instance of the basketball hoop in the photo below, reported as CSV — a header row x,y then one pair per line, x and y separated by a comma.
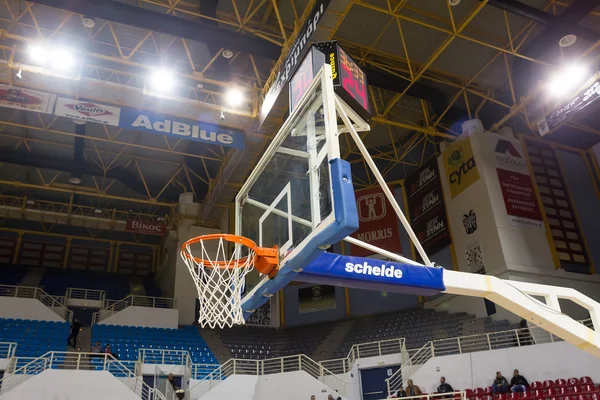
x,y
220,278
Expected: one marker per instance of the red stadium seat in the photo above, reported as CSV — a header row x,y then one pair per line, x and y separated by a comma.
x,y
537,385
562,391
468,393
479,392
500,396
551,392
594,396
488,390
560,382
548,384
586,380
583,397
514,396
588,388
537,393
573,381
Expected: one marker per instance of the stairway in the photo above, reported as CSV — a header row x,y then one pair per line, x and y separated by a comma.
x,y
214,343
332,342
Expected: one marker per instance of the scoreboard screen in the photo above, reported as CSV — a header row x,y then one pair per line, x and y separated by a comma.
x,y
349,80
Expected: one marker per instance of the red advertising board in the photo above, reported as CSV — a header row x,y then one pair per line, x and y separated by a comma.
x,y
378,223
145,228
519,198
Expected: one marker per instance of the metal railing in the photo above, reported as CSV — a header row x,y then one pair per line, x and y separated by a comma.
x,y
200,371
79,361
59,299
133,300
266,367
163,356
27,292
369,349
85,294
469,344
7,349
459,395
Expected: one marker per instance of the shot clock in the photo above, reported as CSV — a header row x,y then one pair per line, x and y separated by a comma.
x,y
349,80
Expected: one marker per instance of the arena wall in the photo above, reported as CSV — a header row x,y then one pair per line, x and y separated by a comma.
x,y
19,308
143,316
535,363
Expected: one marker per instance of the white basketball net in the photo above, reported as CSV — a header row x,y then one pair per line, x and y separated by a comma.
x,y
219,279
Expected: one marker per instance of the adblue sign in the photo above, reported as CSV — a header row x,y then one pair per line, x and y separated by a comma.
x,y
145,228
181,128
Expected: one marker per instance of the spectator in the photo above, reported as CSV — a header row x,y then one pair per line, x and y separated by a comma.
x,y
444,387
96,350
108,350
500,384
75,327
518,383
399,393
330,397
171,380
412,390
313,397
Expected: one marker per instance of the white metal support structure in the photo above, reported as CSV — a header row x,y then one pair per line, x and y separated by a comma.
x,y
511,295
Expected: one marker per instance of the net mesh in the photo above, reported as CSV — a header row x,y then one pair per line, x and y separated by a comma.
x,y
219,275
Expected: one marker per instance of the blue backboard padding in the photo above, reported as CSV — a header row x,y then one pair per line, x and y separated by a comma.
x,y
346,223
369,273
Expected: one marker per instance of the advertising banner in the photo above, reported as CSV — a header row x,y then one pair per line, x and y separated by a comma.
x,y
145,228
181,128
26,99
580,102
87,111
516,184
294,57
378,223
426,207
461,171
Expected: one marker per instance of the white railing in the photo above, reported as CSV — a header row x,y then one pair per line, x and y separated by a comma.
x,y
133,300
163,356
85,294
369,349
408,368
27,292
79,361
200,371
59,299
109,302
267,367
7,349
459,395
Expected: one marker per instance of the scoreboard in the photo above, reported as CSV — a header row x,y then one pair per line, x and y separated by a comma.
x,y
349,80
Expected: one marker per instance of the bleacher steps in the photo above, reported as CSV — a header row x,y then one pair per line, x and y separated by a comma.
x,y
326,349
216,345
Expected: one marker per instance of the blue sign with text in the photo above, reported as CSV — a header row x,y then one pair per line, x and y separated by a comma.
x,y
181,128
369,273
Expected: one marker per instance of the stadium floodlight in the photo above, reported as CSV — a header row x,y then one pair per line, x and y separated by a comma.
x,y
63,59
567,79
234,97
38,53
162,80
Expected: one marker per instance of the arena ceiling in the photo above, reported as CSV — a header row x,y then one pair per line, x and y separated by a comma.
x,y
430,65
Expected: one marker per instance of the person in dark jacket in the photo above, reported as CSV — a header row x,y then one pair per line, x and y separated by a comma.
x,y
445,387
518,383
500,384
75,327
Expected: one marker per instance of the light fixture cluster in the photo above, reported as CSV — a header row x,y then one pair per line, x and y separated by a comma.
x,y
567,80
58,58
163,81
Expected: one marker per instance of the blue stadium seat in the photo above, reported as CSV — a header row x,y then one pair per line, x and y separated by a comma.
x,y
34,338
125,341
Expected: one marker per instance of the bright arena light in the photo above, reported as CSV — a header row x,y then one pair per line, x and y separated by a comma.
x,y
162,80
567,80
63,59
38,53
234,97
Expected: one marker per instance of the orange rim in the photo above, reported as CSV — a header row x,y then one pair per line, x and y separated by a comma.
x,y
244,241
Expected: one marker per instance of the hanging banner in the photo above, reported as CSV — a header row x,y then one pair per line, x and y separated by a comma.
x,y
426,207
87,111
26,99
461,171
582,101
294,57
145,228
378,223
181,128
